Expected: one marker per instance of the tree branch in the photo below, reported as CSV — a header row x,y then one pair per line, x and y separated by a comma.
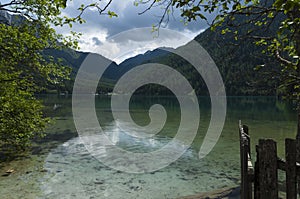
x,y
148,8
283,60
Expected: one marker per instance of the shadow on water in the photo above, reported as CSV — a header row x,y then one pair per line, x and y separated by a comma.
x,y
60,130
40,146
51,141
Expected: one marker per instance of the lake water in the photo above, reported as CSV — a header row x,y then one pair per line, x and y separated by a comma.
x,y
61,167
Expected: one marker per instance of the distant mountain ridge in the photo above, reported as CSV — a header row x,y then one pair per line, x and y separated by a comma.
x,y
8,19
147,57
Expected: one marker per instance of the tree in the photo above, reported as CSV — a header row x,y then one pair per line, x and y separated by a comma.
x,y
25,32
284,45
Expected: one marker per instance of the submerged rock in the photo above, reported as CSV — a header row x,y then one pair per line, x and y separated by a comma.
x,y
99,182
8,172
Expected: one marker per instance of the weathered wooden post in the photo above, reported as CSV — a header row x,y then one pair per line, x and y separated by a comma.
x,y
250,170
267,163
290,168
246,183
244,168
246,132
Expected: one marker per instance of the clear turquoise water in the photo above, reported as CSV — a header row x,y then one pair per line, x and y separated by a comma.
x,y
61,167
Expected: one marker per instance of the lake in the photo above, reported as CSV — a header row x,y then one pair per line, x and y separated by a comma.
x,y
60,166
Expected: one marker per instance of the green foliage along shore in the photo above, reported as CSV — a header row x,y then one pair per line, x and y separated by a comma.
x,y
25,71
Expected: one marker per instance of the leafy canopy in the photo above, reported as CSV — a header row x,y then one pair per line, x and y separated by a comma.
x,y
26,30
283,46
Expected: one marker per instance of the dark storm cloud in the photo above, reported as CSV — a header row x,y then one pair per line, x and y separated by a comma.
x,y
96,41
128,18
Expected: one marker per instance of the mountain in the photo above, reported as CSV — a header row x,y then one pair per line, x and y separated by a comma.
x,y
66,57
8,19
74,59
236,60
236,63
147,57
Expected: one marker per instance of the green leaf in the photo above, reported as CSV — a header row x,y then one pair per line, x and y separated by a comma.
x,y
112,14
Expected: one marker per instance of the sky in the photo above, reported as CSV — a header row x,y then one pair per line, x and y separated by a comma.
x,y
131,29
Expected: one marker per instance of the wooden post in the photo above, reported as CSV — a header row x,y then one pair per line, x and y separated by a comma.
x,y
244,167
256,177
246,131
290,168
298,160
244,150
250,172
267,162
246,176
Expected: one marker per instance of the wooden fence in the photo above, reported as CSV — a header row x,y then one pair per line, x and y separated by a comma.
x,y
261,181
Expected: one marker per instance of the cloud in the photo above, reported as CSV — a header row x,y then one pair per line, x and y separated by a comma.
x,y
139,40
100,32
97,41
